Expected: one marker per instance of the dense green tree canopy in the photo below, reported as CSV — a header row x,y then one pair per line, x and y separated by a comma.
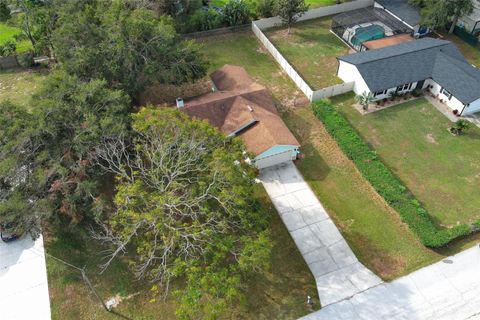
x,y
185,204
438,13
46,151
127,47
290,10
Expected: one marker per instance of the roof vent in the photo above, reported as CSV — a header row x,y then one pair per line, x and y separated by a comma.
x,y
250,108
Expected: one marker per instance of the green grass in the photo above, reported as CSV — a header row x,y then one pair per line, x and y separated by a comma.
x,y
371,227
441,170
278,294
312,50
243,49
8,33
18,85
390,250
312,3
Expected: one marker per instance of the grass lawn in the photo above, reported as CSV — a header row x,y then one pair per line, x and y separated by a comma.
x,y
18,85
441,170
371,227
279,294
312,3
312,50
243,49
8,33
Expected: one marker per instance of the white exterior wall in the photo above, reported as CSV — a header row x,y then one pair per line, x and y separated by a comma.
x,y
275,159
453,103
389,91
472,107
349,73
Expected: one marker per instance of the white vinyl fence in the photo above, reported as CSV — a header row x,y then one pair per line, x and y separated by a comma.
x,y
332,91
263,24
292,73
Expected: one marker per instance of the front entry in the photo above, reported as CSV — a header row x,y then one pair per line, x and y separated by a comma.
x,y
420,84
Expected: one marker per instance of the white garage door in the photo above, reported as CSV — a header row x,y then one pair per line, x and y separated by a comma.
x,y
274,159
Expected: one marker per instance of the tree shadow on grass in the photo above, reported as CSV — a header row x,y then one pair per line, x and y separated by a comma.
x,y
283,290
313,166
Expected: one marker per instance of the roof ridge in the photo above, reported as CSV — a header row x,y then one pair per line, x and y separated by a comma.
x,y
403,53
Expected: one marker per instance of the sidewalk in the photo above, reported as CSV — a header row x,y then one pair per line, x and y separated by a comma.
x,y
446,290
23,280
338,273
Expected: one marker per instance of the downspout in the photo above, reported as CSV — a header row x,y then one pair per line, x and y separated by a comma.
x,y
464,106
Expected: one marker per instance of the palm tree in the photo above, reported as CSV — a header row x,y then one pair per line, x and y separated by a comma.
x,y
460,126
365,99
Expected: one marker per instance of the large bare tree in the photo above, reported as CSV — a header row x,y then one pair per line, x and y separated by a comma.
x,y
183,201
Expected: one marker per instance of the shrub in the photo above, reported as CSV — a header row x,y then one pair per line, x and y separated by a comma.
x,y
417,92
4,11
265,8
8,48
203,20
384,181
236,12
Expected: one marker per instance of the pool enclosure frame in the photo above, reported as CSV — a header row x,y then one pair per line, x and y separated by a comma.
x,y
345,24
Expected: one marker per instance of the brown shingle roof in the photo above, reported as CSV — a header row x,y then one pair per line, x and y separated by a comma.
x,y
244,103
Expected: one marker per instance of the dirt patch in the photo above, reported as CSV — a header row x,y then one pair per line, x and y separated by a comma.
x,y
431,139
262,50
374,140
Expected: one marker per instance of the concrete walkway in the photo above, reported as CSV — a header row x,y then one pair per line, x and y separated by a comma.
x,y
23,280
338,273
447,290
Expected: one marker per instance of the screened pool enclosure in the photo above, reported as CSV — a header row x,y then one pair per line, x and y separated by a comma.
x,y
359,26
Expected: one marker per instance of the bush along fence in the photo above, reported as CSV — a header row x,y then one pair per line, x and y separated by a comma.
x,y
216,32
385,182
263,24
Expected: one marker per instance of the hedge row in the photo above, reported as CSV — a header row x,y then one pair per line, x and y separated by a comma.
x,y
384,181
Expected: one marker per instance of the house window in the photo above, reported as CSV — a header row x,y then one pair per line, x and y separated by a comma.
x,y
379,93
446,93
404,87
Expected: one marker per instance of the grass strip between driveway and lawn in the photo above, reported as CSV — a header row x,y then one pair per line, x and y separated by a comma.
x,y
384,181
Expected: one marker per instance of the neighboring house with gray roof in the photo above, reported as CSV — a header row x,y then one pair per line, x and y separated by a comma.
x,y
404,12
436,65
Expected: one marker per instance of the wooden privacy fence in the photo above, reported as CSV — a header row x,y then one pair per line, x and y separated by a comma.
x,y
260,25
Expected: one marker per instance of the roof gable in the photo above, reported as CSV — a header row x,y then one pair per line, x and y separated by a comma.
x,y
415,61
403,10
248,111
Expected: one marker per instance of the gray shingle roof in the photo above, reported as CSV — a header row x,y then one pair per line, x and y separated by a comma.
x,y
403,10
415,61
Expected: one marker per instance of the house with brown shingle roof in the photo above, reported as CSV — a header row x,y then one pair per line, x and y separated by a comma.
x,y
239,106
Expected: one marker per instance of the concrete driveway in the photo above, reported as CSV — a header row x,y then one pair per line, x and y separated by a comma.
x,y
338,273
447,290
23,281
